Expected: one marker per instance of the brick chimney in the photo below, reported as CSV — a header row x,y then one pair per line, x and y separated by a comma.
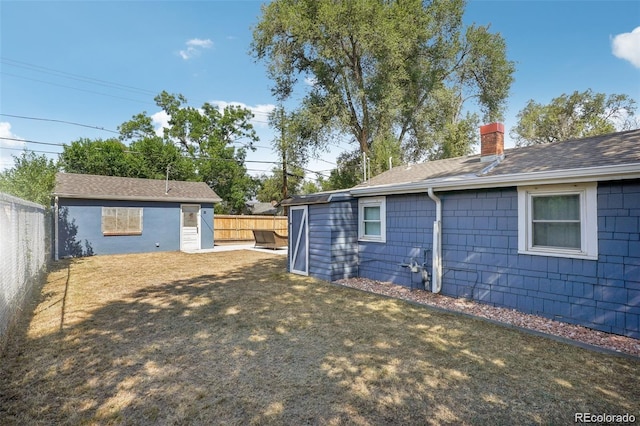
x,y
491,142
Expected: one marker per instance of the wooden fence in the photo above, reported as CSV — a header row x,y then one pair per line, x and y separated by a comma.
x,y
239,228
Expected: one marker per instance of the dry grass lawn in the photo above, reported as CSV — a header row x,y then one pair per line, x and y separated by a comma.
x,y
230,338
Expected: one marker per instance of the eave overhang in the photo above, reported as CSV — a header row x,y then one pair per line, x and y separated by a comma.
x,y
169,199
465,182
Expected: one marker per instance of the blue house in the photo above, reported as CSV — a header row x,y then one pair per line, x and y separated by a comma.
x,y
551,230
111,215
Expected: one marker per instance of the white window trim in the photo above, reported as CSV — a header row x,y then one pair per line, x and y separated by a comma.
x,y
588,220
373,202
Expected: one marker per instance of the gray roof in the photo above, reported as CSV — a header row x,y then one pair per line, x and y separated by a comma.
x,y
71,185
259,208
316,198
588,156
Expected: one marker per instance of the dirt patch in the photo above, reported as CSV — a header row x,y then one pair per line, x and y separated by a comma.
x,y
231,338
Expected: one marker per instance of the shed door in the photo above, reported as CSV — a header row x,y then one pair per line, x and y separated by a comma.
x,y
298,240
189,227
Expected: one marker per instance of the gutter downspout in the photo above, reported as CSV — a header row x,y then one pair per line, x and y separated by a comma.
x,y
55,227
436,272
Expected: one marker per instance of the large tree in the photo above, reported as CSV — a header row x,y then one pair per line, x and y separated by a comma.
x,y
385,70
578,115
107,157
207,136
32,178
148,157
271,186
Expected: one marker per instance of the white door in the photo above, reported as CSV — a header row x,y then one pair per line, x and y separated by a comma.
x,y
190,227
298,240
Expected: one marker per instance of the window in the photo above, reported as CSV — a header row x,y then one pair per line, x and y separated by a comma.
x,y
372,222
121,220
558,221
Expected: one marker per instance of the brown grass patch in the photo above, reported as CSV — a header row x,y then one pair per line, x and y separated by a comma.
x,y
230,338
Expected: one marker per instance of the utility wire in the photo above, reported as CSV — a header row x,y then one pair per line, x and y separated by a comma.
x,y
75,88
76,77
30,150
59,121
30,141
96,81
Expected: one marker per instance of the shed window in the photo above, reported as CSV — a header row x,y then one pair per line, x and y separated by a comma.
x,y
372,226
558,221
121,220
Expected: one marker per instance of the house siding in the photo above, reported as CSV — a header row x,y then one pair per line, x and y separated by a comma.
x,y
80,228
333,240
409,236
344,239
481,260
319,221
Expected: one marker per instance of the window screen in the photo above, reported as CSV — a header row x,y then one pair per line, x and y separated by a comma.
x,y
556,221
121,220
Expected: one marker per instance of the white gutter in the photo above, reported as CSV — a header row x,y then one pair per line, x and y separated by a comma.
x,y
167,199
586,174
436,252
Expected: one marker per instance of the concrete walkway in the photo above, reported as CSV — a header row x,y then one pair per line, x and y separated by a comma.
x,y
234,247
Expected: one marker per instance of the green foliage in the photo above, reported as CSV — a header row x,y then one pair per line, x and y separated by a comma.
x,y
150,158
32,178
310,187
271,186
98,157
382,69
347,174
578,115
198,146
207,135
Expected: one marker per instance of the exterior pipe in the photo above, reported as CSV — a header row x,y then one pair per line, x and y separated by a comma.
x,y
55,227
436,272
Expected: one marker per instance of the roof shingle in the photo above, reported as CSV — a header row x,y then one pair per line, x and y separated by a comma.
x,y
71,185
606,150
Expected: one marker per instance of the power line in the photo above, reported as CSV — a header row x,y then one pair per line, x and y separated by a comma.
x,y
99,82
71,76
30,141
30,150
74,88
59,121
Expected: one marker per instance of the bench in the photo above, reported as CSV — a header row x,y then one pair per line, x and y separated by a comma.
x,y
269,239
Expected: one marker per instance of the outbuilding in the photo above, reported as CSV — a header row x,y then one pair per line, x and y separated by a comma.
x,y
112,215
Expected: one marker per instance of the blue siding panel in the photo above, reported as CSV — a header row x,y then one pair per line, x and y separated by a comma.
x,y
333,234
80,228
480,233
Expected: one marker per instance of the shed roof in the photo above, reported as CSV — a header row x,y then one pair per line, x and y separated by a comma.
x,y
72,185
316,198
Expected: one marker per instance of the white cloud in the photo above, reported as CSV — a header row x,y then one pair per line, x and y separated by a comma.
x,y
198,42
6,155
623,119
627,46
194,47
310,81
160,121
260,111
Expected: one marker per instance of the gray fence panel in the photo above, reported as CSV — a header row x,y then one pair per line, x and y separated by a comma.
x,y
23,257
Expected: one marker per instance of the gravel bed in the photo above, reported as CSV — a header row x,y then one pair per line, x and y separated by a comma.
x,y
578,333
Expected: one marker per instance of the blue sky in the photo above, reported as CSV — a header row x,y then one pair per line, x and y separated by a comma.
x,y
98,63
